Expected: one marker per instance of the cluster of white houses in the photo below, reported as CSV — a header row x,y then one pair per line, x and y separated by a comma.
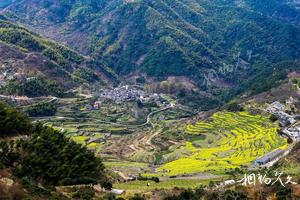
x,y
129,93
291,128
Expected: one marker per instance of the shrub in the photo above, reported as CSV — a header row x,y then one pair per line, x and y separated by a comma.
x,y
234,107
42,109
86,193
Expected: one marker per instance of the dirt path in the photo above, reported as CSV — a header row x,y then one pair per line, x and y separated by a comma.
x,y
148,141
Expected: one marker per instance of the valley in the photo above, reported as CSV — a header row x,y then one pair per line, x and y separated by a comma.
x,y
149,99
138,134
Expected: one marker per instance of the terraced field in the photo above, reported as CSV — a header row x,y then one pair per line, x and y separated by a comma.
x,y
231,140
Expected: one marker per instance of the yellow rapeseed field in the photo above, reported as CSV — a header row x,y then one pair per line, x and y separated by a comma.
x,y
232,140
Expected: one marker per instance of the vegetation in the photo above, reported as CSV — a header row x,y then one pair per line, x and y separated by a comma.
x,y
34,87
234,107
210,52
270,77
13,122
86,193
139,186
231,140
57,64
47,156
190,38
42,109
201,193
5,3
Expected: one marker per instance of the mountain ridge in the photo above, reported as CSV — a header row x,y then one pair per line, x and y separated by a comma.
x,y
25,54
165,38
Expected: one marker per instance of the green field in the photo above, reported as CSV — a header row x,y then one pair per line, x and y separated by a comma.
x,y
231,140
168,184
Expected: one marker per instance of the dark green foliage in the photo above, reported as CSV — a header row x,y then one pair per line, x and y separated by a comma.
x,y
198,101
202,193
59,61
13,122
20,38
234,107
140,80
48,156
86,193
280,10
270,76
7,154
284,193
106,184
109,196
154,178
42,109
86,74
137,197
33,188
273,118
5,3
165,37
34,87
188,195
13,34
51,157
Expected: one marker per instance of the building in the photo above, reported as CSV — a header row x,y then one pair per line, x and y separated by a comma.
x,y
117,191
293,132
269,157
276,107
290,101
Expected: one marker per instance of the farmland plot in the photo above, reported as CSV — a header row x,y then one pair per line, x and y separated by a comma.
x,y
232,140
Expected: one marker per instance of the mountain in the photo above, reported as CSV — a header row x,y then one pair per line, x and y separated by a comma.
x,y
286,11
230,40
26,57
5,3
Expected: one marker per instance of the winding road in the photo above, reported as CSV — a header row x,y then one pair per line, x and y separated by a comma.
x,y
148,121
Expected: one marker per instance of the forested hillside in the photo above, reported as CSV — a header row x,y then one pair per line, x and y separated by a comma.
x,y
42,157
34,66
286,10
5,3
164,38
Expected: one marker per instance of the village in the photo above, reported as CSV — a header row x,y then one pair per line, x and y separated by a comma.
x,y
129,93
290,128
288,120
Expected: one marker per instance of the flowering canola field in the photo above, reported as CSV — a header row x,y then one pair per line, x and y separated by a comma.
x,y
231,140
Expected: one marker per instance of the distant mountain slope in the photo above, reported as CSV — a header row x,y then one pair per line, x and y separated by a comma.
x,y
4,3
283,10
165,38
25,55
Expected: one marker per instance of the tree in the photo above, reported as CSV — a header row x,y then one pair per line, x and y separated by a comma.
x,y
42,109
13,122
51,157
273,118
234,107
86,193
137,197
